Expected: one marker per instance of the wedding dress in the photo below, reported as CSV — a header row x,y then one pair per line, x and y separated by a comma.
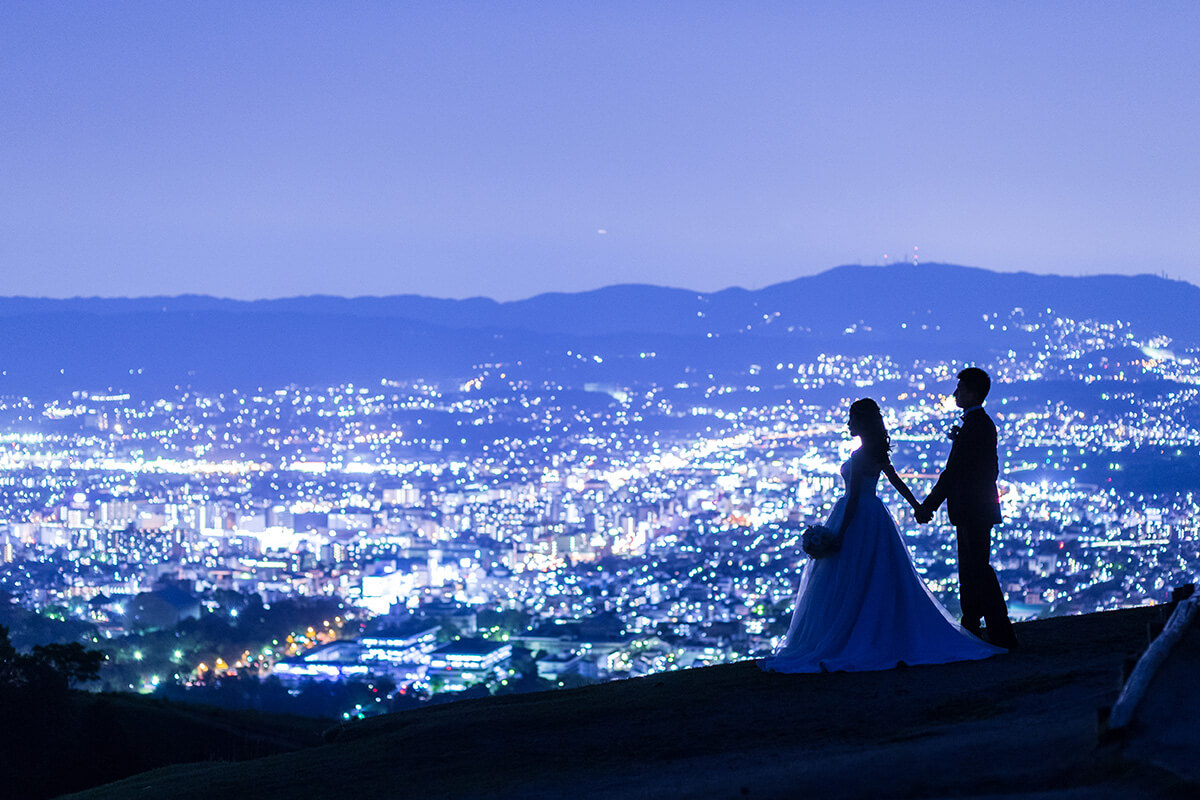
x,y
865,607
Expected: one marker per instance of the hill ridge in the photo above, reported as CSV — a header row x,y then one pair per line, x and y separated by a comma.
x,y
905,311
832,272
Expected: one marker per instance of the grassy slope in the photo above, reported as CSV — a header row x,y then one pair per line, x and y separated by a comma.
x,y
55,744
1011,725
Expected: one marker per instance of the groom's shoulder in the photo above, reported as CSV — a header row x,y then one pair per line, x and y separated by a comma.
x,y
979,421
978,414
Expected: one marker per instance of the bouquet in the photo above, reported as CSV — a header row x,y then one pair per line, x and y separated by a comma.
x,y
819,541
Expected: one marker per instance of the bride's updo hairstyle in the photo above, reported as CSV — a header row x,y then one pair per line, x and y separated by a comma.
x,y
871,430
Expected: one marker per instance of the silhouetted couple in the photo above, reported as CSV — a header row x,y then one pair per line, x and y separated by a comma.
x,y
861,603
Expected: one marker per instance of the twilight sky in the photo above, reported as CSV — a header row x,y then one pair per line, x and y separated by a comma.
x,y
508,148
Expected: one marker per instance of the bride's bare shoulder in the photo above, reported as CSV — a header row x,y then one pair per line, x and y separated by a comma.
x,y
867,462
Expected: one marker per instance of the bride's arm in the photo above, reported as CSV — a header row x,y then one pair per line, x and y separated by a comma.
x,y
899,485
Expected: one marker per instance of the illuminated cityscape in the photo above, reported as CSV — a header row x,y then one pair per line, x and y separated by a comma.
x,y
434,399
474,535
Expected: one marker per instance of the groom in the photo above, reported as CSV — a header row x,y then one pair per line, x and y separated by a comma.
x,y
968,485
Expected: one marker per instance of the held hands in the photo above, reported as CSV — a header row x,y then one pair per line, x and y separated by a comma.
x,y
923,513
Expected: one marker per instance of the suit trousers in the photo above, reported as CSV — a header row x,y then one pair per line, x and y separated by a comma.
x,y
978,588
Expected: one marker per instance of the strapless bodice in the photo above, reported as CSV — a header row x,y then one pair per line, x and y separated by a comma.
x,y
870,477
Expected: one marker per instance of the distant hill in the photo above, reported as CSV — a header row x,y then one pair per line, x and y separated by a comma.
x,y
94,343
1018,725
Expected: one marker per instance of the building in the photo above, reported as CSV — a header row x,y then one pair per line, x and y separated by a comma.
x,y
465,662
336,661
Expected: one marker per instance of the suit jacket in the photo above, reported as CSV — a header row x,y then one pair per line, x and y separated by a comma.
x,y
968,483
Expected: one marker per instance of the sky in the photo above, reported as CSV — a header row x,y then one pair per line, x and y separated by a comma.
x,y
504,149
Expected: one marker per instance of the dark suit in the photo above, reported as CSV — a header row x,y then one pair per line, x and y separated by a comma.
x,y
968,487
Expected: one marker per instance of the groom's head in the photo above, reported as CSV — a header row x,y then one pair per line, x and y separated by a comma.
x,y
973,387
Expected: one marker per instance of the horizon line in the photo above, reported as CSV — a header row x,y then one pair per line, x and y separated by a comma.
x,y
731,288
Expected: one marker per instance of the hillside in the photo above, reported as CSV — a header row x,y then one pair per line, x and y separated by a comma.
x,y
53,743
1019,725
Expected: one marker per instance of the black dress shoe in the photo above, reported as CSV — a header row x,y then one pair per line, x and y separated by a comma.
x,y
1008,644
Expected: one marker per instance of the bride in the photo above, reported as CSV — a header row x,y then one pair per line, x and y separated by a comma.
x,y
865,607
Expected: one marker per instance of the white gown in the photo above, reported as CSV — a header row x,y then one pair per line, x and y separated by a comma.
x,y
865,607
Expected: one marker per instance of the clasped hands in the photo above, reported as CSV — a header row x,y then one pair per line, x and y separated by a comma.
x,y
923,512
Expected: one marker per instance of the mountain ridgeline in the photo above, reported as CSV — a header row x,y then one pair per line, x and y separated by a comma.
x,y
626,332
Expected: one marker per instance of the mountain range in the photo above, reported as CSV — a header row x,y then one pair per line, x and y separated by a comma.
x,y
52,345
